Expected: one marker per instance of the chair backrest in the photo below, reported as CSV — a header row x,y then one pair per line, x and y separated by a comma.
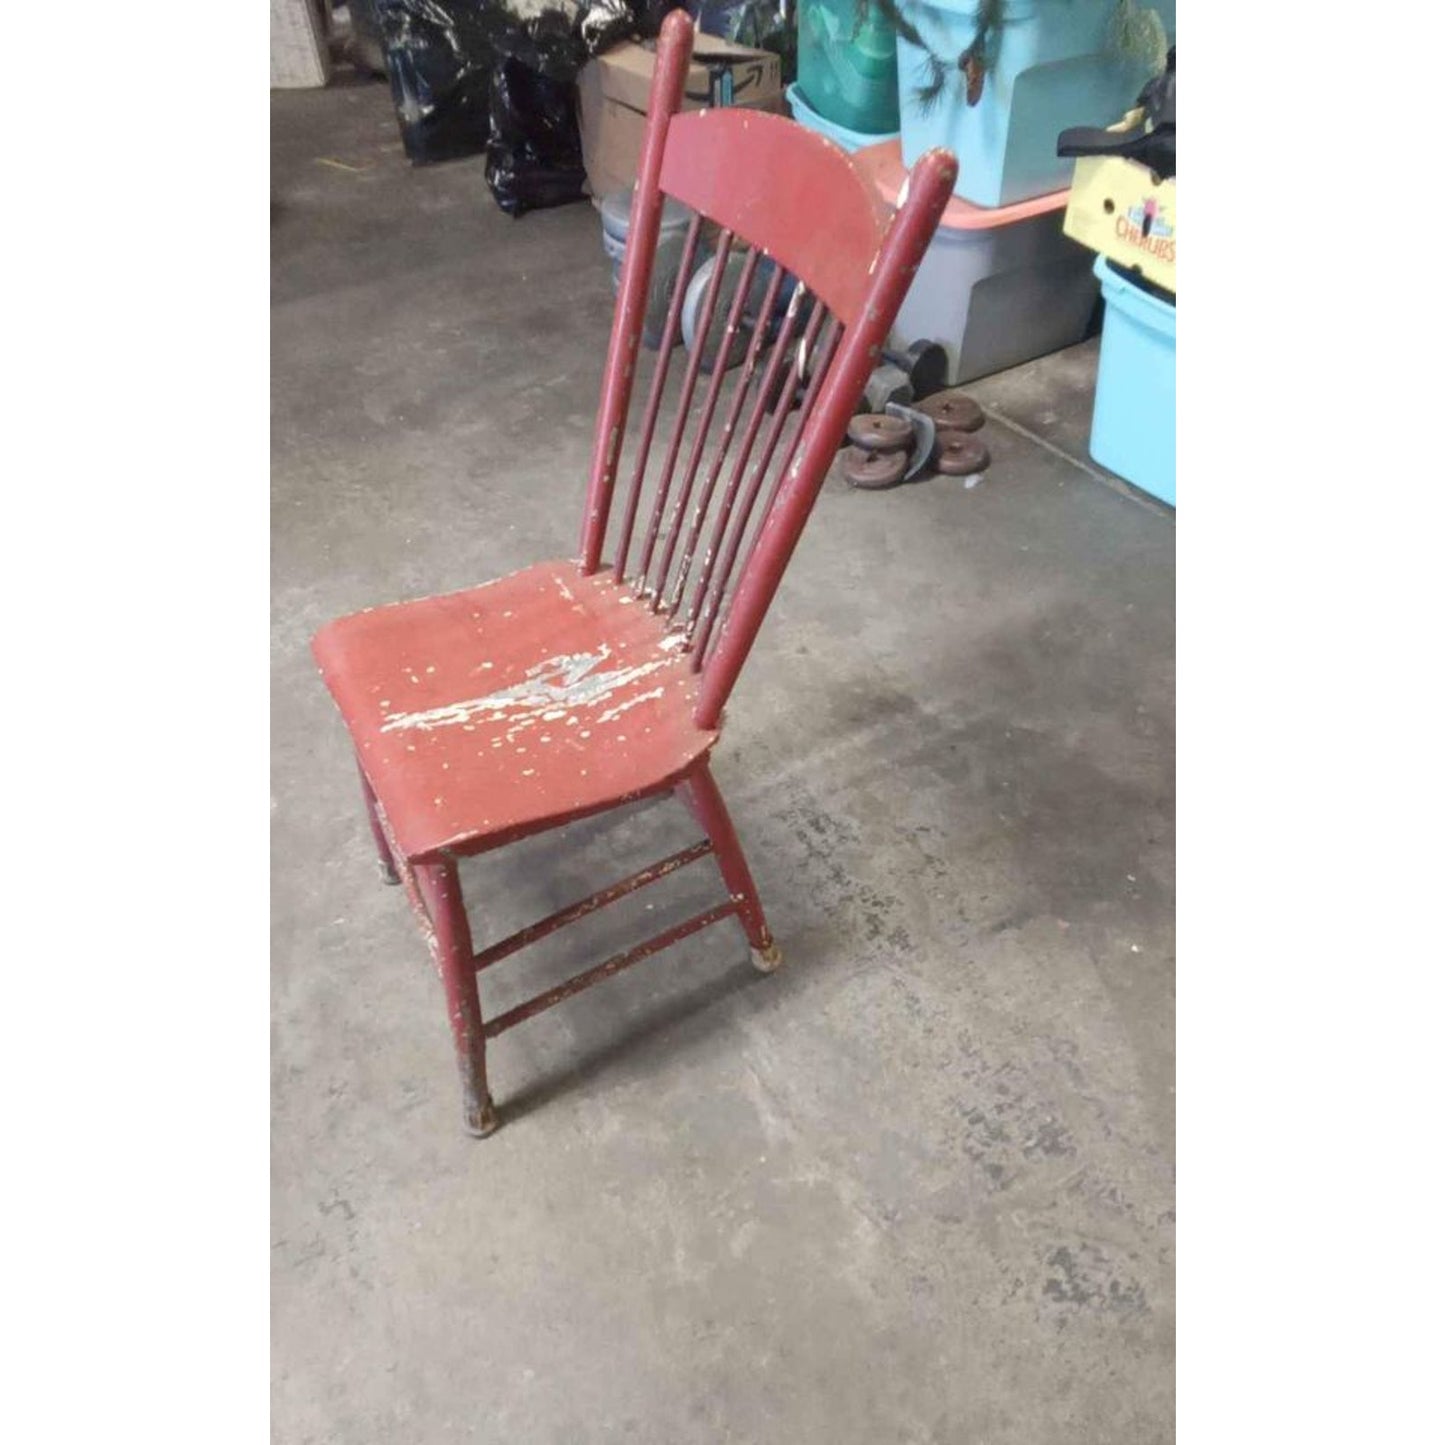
x,y
807,274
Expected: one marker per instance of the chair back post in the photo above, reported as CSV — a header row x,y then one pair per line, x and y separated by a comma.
x,y
674,51
927,192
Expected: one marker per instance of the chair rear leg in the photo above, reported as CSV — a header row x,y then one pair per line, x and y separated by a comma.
x,y
451,942
700,792
383,848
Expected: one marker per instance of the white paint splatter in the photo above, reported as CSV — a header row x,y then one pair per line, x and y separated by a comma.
x,y
613,713
571,680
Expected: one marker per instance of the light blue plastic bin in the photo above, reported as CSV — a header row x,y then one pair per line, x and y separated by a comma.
x,y
1053,68
809,119
848,64
1133,432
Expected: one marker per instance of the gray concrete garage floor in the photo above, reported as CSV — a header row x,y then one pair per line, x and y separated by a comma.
x,y
917,1186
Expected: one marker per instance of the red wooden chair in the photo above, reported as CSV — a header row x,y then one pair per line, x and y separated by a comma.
x,y
573,687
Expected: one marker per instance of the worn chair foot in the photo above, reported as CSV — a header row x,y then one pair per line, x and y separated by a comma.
x,y
482,1120
389,875
767,960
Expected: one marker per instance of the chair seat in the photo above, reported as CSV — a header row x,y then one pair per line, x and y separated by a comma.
x,y
483,715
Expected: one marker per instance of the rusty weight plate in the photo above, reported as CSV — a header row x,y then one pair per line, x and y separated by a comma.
x,y
953,411
878,432
873,470
960,454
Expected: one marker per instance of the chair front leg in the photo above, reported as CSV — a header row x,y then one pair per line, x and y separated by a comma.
x,y
451,942
700,793
378,833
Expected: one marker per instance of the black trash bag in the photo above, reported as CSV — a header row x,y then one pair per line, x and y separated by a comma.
x,y
534,147
471,75
534,156
601,24
547,42
605,23
439,59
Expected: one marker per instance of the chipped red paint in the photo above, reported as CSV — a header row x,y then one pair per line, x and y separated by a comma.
x,y
787,190
674,50
384,854
699,441
671,331
713,609
930,186
612,966
442,894
689,385
500,711
482,716
651,874
720,454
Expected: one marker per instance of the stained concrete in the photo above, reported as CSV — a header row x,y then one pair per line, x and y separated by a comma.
x,y
917,1186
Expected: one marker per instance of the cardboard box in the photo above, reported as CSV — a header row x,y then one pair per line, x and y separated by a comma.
x,y
1119,209
612,93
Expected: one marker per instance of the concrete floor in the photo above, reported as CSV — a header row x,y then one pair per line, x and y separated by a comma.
x,y
916,1187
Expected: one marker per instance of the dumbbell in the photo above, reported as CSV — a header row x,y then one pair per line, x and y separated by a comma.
x,y
925,364
905,376
886,383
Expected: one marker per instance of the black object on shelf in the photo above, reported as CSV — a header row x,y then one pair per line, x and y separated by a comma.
x,y
1150,141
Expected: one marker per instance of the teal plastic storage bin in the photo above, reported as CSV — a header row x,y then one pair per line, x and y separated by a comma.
x,y
1053,67
809,119
847,70
1133,432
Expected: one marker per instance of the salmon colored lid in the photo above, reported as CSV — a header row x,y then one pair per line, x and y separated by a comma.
x,y
883,165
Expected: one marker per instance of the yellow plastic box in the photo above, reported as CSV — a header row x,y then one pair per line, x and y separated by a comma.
x,y
1124,211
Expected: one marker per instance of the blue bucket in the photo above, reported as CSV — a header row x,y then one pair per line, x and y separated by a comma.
x,y
809,119
848,64
1133,431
